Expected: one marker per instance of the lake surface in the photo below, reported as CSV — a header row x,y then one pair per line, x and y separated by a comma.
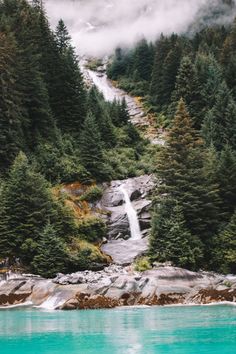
x,y
157,330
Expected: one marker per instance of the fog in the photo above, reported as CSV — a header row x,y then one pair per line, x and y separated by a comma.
x,y
99,26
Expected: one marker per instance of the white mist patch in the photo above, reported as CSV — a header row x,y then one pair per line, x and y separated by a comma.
x,y
99,26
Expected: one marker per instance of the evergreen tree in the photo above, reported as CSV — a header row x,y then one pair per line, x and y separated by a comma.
x,y
27,207
228,59
226,177
91,152
187,87
219,127
181,168
224,253
156,85
171,240
101,113
143,61
11,110
69,103
6,241
63,37
123,113
51,254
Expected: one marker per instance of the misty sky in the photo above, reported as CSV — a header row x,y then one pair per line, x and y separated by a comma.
x,y
99,26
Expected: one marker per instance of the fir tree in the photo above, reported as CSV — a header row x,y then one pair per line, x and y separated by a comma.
x,y
181,168
51,254
27,207
219,127
171,240
187,87
91,151
226,177
224,253
11,109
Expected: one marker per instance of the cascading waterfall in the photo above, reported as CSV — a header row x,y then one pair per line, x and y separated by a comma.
x,y
132,216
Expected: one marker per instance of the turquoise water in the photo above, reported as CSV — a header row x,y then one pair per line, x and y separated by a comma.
x,y
176,330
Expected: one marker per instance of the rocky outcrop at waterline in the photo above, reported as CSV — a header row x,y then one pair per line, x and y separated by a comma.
x,y
119,286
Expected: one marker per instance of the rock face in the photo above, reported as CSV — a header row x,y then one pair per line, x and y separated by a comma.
x,y
113,202
125,252
139,190
119,286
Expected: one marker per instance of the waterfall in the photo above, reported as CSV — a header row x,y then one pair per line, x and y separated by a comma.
x,y
132,216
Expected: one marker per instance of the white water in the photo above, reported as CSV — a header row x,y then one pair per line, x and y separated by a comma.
x,y
132,216
52,302
110,93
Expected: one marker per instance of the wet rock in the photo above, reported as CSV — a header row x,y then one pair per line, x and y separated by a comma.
x,y
119,226
72,304
121,286
113,204
125,252
136,194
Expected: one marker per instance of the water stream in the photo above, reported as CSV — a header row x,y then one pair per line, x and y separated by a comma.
x,y
132,216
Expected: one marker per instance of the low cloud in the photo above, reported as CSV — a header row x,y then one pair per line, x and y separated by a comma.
x,y
99,26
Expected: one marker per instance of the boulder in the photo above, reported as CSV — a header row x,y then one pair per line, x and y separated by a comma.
x,y
125,252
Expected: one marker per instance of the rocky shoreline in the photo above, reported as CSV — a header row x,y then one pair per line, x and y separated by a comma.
x,y
118,286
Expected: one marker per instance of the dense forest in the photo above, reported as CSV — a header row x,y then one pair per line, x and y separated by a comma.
x,y
54,130
189,84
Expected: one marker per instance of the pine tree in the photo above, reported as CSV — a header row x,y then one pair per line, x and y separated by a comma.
x,y
63,37
226,177
69,102
103,119
11,109
171,240
219,127
187,87
224,253
27,207
156,85
51,254
143,61
181,169
91,152
210,77
6,244
228,59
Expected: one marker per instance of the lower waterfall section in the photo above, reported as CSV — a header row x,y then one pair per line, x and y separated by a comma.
x,y
132,216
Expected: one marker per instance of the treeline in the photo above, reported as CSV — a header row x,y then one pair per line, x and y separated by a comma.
x,y
52,130
194,218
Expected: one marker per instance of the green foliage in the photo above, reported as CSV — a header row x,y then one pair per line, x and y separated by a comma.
x,y
92,194
224,251
85,256
171,240
92,229
142,264
59,162
50,258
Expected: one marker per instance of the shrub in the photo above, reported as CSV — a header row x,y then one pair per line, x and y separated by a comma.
x,y
85,256
92,229
92,194
142,264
